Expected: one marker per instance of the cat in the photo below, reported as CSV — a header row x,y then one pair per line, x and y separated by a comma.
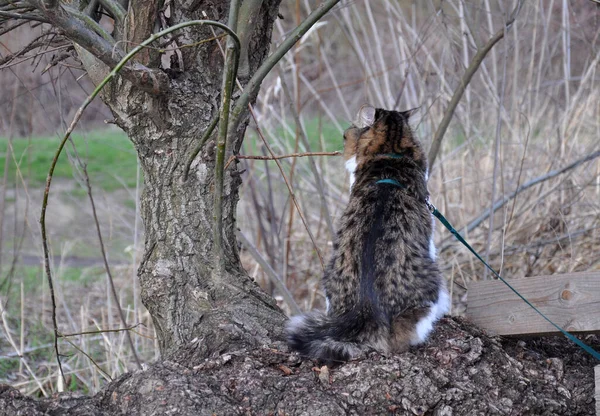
x,y
383,288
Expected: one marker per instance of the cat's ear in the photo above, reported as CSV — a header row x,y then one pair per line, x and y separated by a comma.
x,y
365,116
414,116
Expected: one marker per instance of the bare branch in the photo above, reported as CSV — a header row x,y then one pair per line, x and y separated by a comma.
x,y
90,23
107,268
116,10
290,189
154,81
100,331
287,296
464,82
199,147
38,42
23,17
248,16
13,27
229,75
319,183
501,202
278,157
254,84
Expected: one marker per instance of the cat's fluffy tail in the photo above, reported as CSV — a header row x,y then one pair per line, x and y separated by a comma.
x,y
329,339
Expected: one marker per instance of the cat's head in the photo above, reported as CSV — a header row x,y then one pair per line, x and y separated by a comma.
x,y
377,132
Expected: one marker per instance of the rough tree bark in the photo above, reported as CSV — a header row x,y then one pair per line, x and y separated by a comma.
x,y
460,372
195,313
220,335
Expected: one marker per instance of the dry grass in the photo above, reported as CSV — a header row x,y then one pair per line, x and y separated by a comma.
x,y
531,108
544,74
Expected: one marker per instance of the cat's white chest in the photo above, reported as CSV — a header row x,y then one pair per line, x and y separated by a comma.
x,y
351,168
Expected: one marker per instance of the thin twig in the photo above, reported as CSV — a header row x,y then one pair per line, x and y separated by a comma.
x,y
464,82
8,65
252,157
7,157
313,167
107,268
89,357
287,296
500,203
290,189
496,156
518,182
100,331
23,16
199,147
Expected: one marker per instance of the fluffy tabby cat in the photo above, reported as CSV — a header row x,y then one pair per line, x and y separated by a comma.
x,y
383,288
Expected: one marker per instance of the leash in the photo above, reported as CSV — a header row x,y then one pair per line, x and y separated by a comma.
x,y
456,234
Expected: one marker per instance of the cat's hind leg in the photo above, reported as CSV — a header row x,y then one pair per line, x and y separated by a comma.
x,y
433,313
404,329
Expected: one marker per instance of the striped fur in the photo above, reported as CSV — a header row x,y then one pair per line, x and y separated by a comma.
x,y
383,288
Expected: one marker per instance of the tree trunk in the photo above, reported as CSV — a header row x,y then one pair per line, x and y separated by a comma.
x,y
195,312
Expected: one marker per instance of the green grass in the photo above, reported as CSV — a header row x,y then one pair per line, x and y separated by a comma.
x,y
108,153
33,277
332,138
111,158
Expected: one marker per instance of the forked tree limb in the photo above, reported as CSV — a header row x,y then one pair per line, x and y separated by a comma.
x,y
78,30
436,143
116,10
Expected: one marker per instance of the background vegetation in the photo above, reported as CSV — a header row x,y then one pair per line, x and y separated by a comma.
x,y
530,109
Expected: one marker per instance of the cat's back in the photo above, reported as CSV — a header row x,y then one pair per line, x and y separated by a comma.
x,y
383,244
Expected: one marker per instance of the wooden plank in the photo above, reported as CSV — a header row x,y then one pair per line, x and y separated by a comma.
x,y
570,300
597,391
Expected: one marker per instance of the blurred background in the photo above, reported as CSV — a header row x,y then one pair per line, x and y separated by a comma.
x,y
531,109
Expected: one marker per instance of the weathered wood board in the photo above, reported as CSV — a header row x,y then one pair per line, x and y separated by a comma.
x,y
570,300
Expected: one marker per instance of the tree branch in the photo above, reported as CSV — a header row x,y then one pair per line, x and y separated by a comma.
x,y
278,157
229,73
500,203
290,189
464,82
154,81
248,16
116,10
287,296
319,183
23,17
107,268
90,23
199,147
254,84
